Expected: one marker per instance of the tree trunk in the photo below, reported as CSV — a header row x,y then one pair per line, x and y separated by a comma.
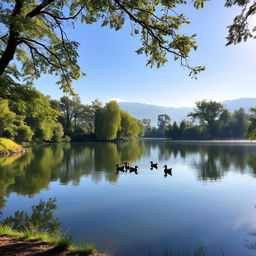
x,y
8,54
12,43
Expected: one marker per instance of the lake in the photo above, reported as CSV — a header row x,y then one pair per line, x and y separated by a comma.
x,y
209,200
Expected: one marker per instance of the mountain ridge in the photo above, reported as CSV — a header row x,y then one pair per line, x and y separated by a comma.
x,y
144,110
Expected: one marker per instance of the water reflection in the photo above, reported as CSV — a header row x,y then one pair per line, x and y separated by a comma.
x,y
34,170
30,173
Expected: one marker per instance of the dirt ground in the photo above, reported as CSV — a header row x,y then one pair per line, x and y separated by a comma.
x,y
10,246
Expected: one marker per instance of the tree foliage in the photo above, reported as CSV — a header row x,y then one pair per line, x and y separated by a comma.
x,y
162,121
214,122
112,123
131,128
47,49
7,117
251,132
41,218
242,28
208,113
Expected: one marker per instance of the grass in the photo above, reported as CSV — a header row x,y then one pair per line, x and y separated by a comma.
x,y
7,144
61,241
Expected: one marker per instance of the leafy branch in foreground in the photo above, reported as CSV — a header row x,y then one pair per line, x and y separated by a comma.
x,y
241,29
41,219
34,33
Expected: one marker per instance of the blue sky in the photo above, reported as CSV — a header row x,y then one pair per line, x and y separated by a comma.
x,y
114,70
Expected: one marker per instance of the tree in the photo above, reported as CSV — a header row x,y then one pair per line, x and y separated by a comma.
x,y
208,113
47,49
58,133
182,128
241,30
175,132
251,132
162,121
67,108
108,121
41,117
131,128
146,122
240,125
7,117
112,120
23,132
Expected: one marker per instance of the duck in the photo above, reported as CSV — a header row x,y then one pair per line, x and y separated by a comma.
x,y
126,166
167,171
134,169
153,165
119,168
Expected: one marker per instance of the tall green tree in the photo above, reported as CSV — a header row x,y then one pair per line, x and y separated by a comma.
x,y
251,132
112,123
41,117
162,121
131,128
7,117
47,49
208,113
175,132
241,122
108,121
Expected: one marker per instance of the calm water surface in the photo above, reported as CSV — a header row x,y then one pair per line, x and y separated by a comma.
x,y
210,199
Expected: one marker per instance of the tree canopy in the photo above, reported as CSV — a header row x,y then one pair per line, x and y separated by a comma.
x,y
34,33
251,132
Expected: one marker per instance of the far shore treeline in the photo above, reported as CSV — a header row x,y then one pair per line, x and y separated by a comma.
x,y
209,120
38,118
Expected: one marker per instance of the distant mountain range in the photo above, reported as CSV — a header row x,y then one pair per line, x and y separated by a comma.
x,y
142,110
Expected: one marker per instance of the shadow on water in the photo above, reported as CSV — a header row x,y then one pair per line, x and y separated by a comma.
x,y
29,173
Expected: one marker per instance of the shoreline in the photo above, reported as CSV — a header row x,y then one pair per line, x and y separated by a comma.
x,y
10,152
242,141
31,242
9,147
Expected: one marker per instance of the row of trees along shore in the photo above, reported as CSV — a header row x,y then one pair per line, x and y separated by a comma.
x,y
209,120
43,119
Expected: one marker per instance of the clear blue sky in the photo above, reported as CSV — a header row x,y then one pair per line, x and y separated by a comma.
x,y
114,70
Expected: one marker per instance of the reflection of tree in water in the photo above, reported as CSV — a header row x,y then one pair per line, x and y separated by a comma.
x,y
109,154
34,170
9,170
210,161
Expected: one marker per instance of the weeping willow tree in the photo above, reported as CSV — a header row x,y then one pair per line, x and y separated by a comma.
x,y
131,128
112,123
33,32
108,121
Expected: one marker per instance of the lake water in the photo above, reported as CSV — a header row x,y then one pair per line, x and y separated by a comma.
x,y
209,200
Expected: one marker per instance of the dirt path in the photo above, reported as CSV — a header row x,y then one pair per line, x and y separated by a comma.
x,y
10,246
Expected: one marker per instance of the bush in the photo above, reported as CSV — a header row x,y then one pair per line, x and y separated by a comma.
x,y
66,139
57,133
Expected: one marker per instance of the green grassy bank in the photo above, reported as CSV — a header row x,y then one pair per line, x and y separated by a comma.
x,y
61,241
9,147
